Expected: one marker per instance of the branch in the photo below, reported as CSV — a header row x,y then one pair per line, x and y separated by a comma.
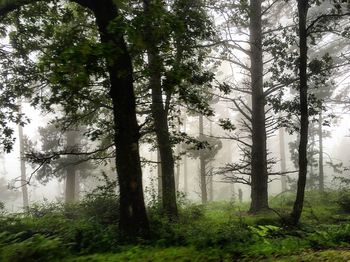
x,y
324,16
241,111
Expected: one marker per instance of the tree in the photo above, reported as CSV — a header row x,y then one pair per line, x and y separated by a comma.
x,y
259,177
172,34
22,164
250,19
159,109
62,155
303,7
133,218
305,31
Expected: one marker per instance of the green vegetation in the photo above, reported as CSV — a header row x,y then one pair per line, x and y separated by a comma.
x,y
218,231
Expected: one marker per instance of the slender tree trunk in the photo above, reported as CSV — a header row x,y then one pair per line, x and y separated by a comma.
x,y
70,171
24,187
160,117
211,183
133,219
177,173
185,162
283,159
320,154
259,189
178,163
304,117
159,174
77,185
202,161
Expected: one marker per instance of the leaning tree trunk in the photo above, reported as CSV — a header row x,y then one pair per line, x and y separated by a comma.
x,y
133,219
259,176
160,116
304,118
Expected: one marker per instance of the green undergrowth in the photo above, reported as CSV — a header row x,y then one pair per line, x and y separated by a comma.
x,y
218,231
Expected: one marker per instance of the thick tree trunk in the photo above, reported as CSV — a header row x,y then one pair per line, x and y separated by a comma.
x,y
133,219
202,162
320,153
71,171
259,189
24,187
304,117
160,118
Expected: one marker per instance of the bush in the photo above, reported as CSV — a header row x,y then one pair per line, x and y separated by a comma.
x,y
344,201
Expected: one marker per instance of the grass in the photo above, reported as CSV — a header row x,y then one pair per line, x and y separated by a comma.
x,y
219,231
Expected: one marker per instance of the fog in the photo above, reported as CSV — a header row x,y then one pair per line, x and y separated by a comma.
x,y
335,150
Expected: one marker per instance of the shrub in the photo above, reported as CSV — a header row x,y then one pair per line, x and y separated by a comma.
x,y
344,201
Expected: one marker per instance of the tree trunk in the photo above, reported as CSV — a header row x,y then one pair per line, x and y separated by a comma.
x,y
211,182
320,154
133,219
202,161
259,189
160,117
283,159
24,182
304,118
177,173
77,185
159,176
71,170
185,162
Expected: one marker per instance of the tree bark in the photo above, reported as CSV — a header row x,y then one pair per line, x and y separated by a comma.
x,y
202,161
259,189
303,6
160,118
320,153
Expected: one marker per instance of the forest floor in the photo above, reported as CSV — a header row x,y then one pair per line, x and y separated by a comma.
x,y
188,254
218,231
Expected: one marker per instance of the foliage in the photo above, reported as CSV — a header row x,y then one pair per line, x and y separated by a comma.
x,y
344,201
212,232
35,248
